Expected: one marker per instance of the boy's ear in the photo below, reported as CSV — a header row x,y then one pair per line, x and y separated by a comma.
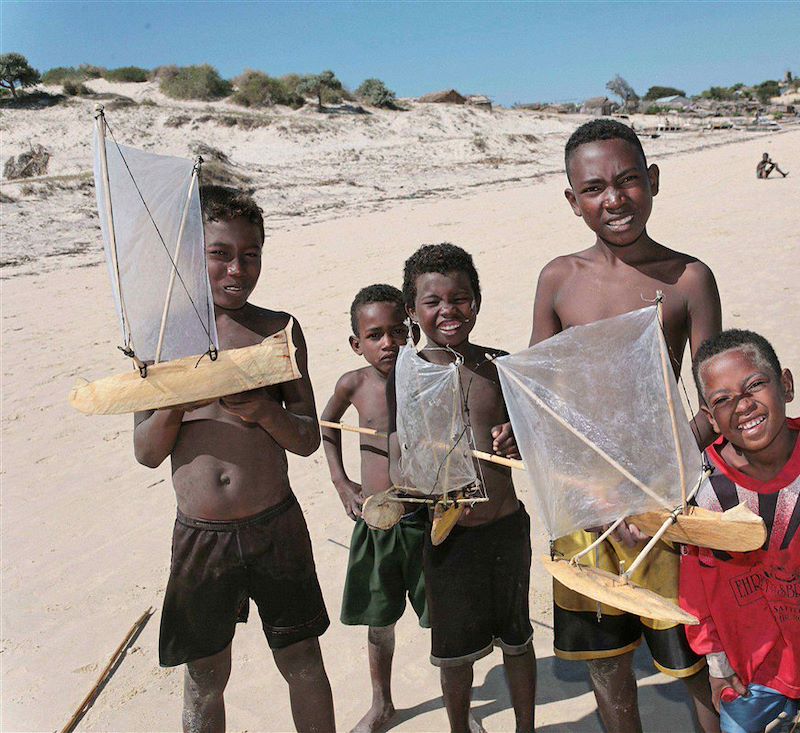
x,y
710,417
788,385
573,201
653,174
355,345
412,313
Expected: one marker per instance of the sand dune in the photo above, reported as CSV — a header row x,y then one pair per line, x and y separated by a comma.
x,y
86,531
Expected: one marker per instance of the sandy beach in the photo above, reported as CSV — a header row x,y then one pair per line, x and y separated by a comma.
x,y
86,530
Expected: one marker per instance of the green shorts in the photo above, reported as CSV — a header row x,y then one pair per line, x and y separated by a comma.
x,y
384,567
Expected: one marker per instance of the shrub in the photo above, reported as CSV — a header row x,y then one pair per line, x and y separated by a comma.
x,y
127,73
257,89
73,87
91,72
195,82
767,89
61,74
655,109
376,93
16,71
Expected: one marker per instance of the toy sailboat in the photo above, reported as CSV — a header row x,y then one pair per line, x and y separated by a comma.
x,y
436,464
594,414
152,227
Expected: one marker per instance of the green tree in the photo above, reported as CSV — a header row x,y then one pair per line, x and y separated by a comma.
x,y
376,93
318,84
16,71
658,92
767,89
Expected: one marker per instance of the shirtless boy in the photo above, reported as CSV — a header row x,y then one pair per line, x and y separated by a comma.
x,y
477,580
240,532
393,557
612,188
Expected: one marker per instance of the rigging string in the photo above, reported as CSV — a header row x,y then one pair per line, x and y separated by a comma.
x,y
211,351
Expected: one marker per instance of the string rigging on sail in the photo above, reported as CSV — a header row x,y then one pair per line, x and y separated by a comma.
x,y
146,201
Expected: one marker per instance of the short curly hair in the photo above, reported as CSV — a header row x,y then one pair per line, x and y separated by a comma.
x,y
378,293
442,258
602,129
220,203
735,338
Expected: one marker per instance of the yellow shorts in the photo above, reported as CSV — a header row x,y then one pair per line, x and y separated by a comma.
x,y
583,633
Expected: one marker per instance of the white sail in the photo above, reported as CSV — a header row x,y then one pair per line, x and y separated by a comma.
x,y
171,194
590,415
434,441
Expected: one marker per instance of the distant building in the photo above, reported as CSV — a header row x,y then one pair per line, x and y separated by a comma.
x,y
449,96
479,100
598,106
679,103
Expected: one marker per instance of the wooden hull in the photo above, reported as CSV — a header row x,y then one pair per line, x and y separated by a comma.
x,y
736,530
614,591
191,379
445,517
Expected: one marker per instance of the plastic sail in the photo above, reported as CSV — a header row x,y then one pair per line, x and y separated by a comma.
x,y
434,444
606,381
144,265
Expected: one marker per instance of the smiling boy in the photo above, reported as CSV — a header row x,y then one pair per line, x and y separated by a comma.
x,y
612,188
240,532
383,566
477,580
748,603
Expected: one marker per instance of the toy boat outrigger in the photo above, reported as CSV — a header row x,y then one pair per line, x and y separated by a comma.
x,y
152,227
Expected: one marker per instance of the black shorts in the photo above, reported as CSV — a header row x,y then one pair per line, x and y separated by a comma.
x,y
218,565
580,635
477,584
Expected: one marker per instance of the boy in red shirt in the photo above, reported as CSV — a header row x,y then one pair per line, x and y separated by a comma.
x,y
748,603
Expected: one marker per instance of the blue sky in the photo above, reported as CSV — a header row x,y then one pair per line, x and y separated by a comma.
x,y
512,51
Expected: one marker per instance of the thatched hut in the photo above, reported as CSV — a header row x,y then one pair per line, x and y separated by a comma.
x,y
598,106
449,96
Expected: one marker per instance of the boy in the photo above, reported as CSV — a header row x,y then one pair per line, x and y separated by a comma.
x,y
766,166
239,532
612,188
477,580
748,603
384,566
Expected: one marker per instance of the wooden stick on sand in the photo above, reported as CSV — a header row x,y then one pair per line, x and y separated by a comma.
x,y
105,675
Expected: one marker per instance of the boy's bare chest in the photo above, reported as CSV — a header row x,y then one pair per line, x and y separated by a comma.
x,y
370,403
592,294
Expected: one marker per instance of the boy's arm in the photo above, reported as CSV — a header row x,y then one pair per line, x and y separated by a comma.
x,y
154,435
349,491
704,312
293,423
546,322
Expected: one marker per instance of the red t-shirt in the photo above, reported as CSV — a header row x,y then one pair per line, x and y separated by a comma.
x,y
748,603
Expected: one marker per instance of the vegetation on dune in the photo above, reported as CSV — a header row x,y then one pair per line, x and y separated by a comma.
x,y
73,87
15,71
127,73
376,93
193,82
257,89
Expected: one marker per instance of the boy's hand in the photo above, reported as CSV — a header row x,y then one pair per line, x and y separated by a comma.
x,y
503,441
628,534
718,684
352,499
189,406
251,406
